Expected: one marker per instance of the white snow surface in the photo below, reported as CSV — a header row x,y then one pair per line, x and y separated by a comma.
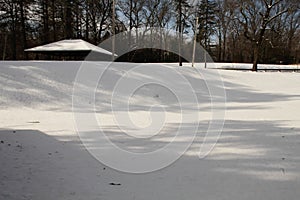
x,y
41,156
246,66
69,45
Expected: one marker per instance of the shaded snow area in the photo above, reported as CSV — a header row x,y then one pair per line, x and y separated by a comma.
x,y
41,156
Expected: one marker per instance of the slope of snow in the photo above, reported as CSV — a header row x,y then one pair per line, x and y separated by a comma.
x,y
41,156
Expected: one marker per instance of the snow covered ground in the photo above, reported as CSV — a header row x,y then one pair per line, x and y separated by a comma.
x,y
41,156
249,66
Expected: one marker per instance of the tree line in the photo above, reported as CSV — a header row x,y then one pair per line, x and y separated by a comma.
x,y
265,31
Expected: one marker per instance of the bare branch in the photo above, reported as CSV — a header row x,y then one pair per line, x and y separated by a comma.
x,y
275,16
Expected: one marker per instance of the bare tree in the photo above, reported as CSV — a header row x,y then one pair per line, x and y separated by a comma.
x,y
98,18
255,18
225,22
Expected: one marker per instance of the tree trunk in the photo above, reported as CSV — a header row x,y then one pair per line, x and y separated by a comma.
x,y
180,32
53,20
45,22
136,30
13,16
69,30
23,21
257,47
220,45
224,46
130,23
87,22
78,28
255,57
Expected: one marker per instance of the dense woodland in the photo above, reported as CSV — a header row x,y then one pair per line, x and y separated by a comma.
x,y
265,31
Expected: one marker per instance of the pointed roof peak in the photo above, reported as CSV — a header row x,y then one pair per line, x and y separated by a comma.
x,y
69,45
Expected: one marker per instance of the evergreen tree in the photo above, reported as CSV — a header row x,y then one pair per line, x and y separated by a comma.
x,y
207,10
